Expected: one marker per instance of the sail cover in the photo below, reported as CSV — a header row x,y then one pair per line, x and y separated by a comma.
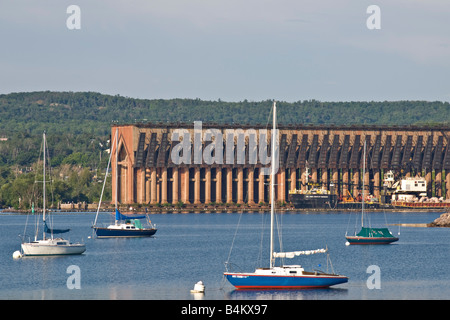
x,y
375,233
54,231
297,253
120,216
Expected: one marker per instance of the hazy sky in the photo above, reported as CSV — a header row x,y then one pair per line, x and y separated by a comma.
x,y
229,49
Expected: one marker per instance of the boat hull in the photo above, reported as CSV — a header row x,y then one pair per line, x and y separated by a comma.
x,y
123,233
370,240
254,281
313,201
51,249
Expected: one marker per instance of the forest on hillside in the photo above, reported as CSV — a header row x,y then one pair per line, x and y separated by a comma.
x,y
78,128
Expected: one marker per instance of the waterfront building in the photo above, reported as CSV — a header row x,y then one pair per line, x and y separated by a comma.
x,y
149,174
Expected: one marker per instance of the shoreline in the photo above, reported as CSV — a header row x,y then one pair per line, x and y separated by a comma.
x,y
202,209
222,209
413,225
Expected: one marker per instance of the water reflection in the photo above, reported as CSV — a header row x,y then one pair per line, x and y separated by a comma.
x,y
198,295
302,294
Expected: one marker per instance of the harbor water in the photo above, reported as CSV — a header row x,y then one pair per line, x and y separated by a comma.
x,y
194,247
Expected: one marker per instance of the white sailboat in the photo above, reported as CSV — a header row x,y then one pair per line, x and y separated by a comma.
x,y
285,276
49,245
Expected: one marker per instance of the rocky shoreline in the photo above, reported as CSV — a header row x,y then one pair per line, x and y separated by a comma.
x,y
442,221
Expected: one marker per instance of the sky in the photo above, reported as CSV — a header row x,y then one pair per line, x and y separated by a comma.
x,y
288,50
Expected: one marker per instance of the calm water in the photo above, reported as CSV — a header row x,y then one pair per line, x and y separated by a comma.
x,y
192,247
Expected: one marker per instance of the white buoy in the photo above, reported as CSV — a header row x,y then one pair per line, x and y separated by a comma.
x,y
17,254
199,287
347,243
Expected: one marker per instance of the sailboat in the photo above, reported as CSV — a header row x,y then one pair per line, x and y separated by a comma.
x,y
124,226
50,245
368,235
285,276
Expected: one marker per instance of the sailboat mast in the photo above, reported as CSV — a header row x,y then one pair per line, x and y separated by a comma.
x,y
117,168
364,175
43,189
117,174
272,181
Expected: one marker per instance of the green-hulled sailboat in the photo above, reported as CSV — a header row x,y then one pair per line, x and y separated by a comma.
x,y
368,235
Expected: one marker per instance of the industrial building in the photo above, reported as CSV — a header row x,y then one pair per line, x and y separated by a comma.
x,y
149,174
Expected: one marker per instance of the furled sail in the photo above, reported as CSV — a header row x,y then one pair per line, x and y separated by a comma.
x,y
120,216
297,253
54,231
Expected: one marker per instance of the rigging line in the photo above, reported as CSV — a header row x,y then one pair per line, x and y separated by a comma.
x,y
331,263
385,220
25,228
104,183
47,152
36,218
234,238
280,233
355,228
348,222
264,215
259,259
278,216
241,213
50,173
280,223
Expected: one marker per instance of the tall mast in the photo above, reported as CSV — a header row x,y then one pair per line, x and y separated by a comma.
x,y
43,186
364,175
117,167
272,181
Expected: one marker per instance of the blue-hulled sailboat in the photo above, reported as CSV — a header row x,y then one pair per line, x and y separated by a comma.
x,y
286,276
125,226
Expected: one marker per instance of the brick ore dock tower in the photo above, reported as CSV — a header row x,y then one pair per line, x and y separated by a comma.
x,y
333,154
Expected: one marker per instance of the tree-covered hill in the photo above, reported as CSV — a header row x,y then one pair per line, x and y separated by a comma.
x,y
91,112
78,127
78,123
